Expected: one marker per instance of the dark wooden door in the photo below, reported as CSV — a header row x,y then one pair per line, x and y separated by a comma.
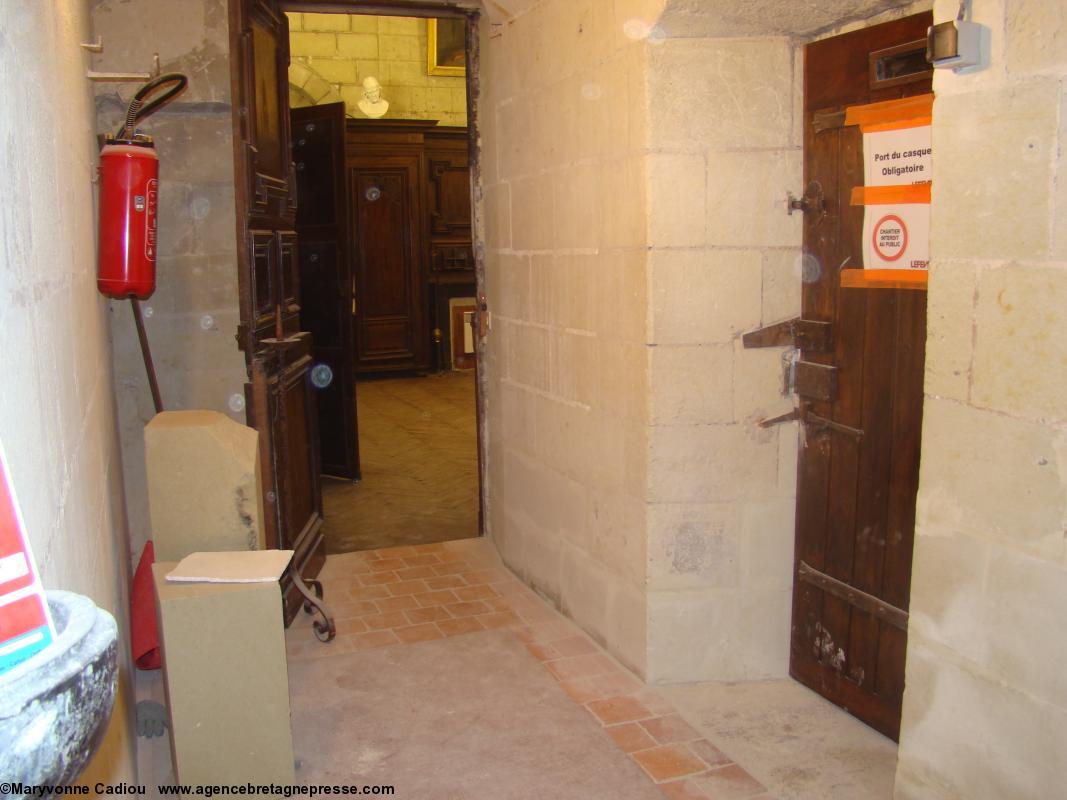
x,y
387,234
858,472
281,402
327,295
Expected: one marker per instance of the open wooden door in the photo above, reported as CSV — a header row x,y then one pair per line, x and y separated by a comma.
x,y
860,387
328,302
281,401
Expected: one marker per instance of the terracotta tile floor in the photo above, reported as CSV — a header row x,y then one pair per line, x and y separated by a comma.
x,y
404,595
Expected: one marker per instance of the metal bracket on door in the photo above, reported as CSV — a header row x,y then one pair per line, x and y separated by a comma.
x,y
810,419
812,202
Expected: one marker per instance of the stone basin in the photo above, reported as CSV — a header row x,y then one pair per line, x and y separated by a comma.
x,y
55,706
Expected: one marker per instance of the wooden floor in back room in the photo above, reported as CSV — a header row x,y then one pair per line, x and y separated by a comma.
x,y
419,455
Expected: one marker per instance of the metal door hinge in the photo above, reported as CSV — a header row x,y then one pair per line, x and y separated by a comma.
x,y
806,334
812,202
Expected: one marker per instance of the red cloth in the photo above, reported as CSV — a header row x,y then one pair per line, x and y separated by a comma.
x,y
144,637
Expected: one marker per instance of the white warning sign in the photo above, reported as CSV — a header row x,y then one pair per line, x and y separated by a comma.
x,y
896,236
896,157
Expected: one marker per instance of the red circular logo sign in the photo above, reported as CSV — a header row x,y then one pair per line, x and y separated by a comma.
x,y
890,237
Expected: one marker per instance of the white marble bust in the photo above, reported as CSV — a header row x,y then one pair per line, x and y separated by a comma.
x,y
373,104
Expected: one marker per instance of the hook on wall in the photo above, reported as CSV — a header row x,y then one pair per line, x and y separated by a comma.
x,y
118,77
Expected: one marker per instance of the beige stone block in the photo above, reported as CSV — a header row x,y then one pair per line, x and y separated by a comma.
x,y
623,373
781,284
508,279
788,454
676,196
572,367
190,150
564,290
721,93
991,475
405,73
403,26
205,490
326,22
768,533
703,296
965,735
620,295
528,356
399,48
299,73
992,183
1059,215
948,591
532,213
363,23
564,435
295,21
693,546
1036,38
711,463
1026,599
746,203
627,632
337,70
950,329
358,46
622,195
576,207
585,590
717,635
318,89
618,538
313,44
691,384
758,379
497,209
440,100
1020,359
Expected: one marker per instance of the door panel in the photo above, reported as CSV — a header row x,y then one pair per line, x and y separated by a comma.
x,y
391,315
277,354
857,478
327,303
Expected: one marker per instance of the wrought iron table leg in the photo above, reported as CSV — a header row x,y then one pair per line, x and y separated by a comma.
x,y
324,629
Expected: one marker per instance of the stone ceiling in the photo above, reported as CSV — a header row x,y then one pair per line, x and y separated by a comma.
x,y
710,18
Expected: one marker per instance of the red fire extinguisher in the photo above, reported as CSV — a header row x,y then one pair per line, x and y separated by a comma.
x,y
129,199
129,206
129,211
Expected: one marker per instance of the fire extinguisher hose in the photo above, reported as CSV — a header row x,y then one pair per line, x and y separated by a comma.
x,y
139,109
135,112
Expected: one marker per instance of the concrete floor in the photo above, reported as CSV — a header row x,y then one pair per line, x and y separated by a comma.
x,y
449,679
419,458
796,743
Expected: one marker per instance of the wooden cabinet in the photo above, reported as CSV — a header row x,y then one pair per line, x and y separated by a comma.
x,y
409,200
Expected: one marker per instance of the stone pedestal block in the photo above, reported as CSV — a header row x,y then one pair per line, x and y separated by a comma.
x,y
205,488
227,681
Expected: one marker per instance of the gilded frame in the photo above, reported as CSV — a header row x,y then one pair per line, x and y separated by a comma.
x,y
434,53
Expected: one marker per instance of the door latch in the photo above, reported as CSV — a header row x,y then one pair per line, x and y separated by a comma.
x,y
812,202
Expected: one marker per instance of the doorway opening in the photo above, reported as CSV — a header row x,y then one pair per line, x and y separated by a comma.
x,y
382,147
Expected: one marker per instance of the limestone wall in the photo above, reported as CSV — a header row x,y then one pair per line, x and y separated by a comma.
x,y
985,709
562,113
57,405
331,54
725,135
194,312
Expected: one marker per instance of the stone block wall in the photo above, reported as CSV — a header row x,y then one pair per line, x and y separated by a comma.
x,y
331,54
562,114
193,315
724,137
57,404
985,709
